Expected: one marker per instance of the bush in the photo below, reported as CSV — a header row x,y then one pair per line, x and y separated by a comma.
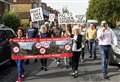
x,y
11,20
0,19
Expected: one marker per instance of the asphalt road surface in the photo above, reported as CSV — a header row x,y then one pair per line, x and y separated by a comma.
x,y
89,71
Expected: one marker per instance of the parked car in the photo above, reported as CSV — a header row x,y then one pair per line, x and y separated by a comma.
x,y
115,54
5,49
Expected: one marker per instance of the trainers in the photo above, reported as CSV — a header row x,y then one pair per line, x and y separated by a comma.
x,y
76,72
58,62
105,76
82,60
18,80
22,76
42,68
95,57
45,69
73,73
90,56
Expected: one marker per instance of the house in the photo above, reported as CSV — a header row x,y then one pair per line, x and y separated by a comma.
x,y
22,8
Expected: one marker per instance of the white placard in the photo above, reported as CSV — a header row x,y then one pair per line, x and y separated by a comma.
x,y
36,14
71,19
51,17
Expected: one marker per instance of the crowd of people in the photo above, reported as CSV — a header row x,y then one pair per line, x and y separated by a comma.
x,y
84,37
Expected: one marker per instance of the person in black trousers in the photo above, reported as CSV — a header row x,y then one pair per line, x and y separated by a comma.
x,y
43,33
76,49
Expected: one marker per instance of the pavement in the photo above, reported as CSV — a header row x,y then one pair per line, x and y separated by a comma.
x,y
89,71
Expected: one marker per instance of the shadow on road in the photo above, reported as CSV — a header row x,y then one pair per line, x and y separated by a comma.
x,y
82,74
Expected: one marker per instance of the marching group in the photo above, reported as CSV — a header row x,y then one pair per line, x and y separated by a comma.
x,y
84,37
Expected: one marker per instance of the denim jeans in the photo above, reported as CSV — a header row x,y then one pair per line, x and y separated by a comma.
x,y
92,47
105,53
20,68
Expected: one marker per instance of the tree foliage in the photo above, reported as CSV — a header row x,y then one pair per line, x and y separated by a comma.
x,y
11,20
104,10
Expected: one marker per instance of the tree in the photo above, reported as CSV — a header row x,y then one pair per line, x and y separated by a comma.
x,y
104,10
11,20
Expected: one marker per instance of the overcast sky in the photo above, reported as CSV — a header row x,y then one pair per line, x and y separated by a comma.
x,y
75,6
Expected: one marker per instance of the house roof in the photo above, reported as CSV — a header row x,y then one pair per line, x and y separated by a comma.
x,y
5,1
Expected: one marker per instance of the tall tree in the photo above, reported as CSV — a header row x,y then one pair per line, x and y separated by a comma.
x,y
104,10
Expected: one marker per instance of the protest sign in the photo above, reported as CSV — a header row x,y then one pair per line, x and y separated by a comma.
x,y
41,48
51,17
36,14
71,19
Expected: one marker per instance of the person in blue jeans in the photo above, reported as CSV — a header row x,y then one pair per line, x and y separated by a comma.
x,y
20,63
91,35
106,38
92,48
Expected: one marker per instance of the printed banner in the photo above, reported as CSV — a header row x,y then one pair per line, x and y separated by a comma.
x,y
41,48
36,14
71,19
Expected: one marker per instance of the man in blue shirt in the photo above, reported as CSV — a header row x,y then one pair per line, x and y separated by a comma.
x,y
32,32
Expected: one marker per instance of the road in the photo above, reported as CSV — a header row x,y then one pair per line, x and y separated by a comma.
x,y
89,71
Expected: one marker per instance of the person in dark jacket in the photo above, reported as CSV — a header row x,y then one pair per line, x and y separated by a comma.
x,y
76,49
43,33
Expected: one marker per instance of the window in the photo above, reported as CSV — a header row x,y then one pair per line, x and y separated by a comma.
x,y
14,1
10,34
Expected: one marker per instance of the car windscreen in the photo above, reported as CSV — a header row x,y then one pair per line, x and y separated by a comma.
x,y
2,35
9,34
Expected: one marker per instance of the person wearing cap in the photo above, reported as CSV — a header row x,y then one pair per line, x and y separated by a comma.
x,y
76,49
105,37
91,35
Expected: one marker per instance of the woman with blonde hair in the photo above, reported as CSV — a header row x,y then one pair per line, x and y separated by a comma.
x,y
76,49
43,33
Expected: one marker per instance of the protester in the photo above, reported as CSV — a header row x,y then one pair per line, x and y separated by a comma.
x,y
67,33
20,67
31,33
56,32
76,49
91,35
47,25
43,33
82,32
106,37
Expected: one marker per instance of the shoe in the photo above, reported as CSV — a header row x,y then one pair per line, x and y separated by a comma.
x,y
41,68
105,76
95,57
58,62
90,56
76,72
73,73
22,76
82,60
45,69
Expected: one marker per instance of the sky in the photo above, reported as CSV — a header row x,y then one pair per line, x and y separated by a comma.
x,y
74,6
